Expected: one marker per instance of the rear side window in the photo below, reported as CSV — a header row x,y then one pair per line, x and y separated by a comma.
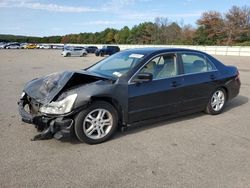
x,y
195,63
78,49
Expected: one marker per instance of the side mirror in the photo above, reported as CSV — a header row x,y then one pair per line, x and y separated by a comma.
x,y
143,77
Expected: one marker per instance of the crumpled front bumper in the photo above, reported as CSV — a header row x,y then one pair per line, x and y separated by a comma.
x,y
49,127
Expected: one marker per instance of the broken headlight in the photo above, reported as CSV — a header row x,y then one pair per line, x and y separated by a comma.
x,y
59,107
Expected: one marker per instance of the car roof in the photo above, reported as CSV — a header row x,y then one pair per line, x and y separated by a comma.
x,y
157,50
111,46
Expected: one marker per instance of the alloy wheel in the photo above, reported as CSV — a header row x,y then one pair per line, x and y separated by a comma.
x,y
218,100
98,123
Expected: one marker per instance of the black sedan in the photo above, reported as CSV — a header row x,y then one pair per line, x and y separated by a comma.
x,y
126,88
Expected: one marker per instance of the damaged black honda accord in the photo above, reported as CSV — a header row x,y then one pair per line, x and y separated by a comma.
x,y
132,86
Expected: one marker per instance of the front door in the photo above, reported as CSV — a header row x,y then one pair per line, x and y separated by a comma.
x,y
161,96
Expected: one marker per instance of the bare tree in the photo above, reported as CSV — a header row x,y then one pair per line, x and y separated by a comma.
x,y
187,34
166,32
237,22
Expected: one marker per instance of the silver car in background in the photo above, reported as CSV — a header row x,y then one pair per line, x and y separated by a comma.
x,y
74,51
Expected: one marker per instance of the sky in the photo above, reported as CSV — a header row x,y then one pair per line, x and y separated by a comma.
x,y
60,17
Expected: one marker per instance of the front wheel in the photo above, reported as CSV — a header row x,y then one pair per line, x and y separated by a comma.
x,y
97,123
101,54
217,102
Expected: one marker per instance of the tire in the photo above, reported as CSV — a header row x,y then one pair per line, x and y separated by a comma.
x,y
216,102
84,54
101,54
68,54
88,118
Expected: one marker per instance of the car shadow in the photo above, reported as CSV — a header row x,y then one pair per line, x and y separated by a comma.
x,y
72,139
237,102
146,126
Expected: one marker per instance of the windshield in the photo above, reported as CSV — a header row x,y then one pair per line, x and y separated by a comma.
x,y
117,64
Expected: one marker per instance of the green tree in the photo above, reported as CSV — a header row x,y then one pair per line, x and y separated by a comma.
x,y
123,35
110,37
142,34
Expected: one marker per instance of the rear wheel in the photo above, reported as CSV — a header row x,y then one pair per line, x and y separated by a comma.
x,y
97,123
217,102
68,55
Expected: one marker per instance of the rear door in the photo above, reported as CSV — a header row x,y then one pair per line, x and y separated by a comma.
x,y
199,80
77,51
161,96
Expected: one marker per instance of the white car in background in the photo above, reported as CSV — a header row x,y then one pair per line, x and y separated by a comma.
x,y
2,45
13,46
74,51
57,47
45,46
23,45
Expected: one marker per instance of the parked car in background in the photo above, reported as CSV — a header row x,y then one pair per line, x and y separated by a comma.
x,y
132,86
74,51
107,50
91,49
23,45
58,47
45,46
31,46
2,45
13,46
38,46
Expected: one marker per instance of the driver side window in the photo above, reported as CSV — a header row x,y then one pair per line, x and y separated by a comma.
x,y
161,67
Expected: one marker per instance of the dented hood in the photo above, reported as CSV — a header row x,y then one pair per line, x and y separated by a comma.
x,y
45,89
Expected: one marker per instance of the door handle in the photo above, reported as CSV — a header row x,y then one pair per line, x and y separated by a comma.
x,y
212,77
175,84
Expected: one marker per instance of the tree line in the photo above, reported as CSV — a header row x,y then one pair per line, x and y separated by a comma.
x,y
213,28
